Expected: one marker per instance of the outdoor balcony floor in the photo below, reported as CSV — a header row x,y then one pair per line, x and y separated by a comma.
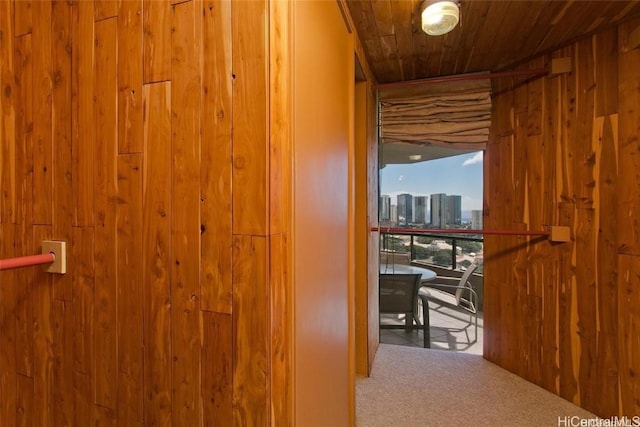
x,y
446,331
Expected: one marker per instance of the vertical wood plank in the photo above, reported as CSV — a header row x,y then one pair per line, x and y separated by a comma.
x,y
606,50
42,337
250,339
585,277
583,155
83,325
606,246
568,384
62,364
130,76
281,331
156,253
105,116
62,186
24,401
217,372
280,113
23,19
628,195
535,101
24,129
215,178
185,208
24,171
82,114
250,143
629,332
7,117
130,295
8,301
104,9
42,115
157,40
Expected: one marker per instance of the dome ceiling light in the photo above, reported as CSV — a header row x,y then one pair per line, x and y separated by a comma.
x,y
439,17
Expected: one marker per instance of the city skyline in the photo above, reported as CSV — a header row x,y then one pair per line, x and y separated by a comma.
x,y
459,175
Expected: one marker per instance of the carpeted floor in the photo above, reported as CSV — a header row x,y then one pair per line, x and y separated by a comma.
x,y
417,387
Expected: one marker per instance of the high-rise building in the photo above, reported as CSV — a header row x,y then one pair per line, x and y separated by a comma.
x,y
385,208
453,210
420,209
476,220
438,210
393,214
405,209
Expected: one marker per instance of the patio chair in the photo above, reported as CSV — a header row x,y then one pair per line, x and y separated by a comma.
x,y
398,295
455,293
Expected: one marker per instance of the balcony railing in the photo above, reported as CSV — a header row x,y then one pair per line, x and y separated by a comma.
x,y
423,246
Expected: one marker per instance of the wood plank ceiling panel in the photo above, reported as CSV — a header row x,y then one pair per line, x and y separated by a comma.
x,y
492,35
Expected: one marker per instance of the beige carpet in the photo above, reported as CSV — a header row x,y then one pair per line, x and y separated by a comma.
x,y
417,387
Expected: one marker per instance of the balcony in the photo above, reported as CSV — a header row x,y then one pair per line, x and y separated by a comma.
x,y
447,255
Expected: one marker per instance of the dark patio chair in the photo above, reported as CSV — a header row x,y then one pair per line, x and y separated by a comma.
x,y
398,295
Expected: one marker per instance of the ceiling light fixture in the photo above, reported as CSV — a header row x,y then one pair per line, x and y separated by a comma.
x,y
439,17
415,157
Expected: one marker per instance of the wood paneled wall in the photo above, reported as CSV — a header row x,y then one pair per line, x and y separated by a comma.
x,y
154,137
367,252
564,151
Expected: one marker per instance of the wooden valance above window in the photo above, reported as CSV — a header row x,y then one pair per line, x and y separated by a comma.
x,y
453,116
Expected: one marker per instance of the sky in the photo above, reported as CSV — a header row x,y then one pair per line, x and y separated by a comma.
x,y
457,175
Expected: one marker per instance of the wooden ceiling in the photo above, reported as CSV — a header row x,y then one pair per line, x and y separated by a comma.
x,y
490,36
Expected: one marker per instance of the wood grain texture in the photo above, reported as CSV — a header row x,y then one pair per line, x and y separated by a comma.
x,y
374,238
62,172
63,410
215,179
362,230
280,112
397,49
217,373
24,207
130,62
250,340
629,335
129,292
156,253
156,40
8,302
42,337
24,131
628,199
23,17
281,330
42,116
105,193
83,356
185,209
24,401
573,316
133,176
82,114
606,45
280,212
250,109
8,192
104,9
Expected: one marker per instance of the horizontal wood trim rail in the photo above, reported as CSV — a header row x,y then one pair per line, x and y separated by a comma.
x,y
27,261
465,77
397,230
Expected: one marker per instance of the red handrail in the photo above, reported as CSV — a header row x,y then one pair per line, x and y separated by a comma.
x,y
27,261
398,230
